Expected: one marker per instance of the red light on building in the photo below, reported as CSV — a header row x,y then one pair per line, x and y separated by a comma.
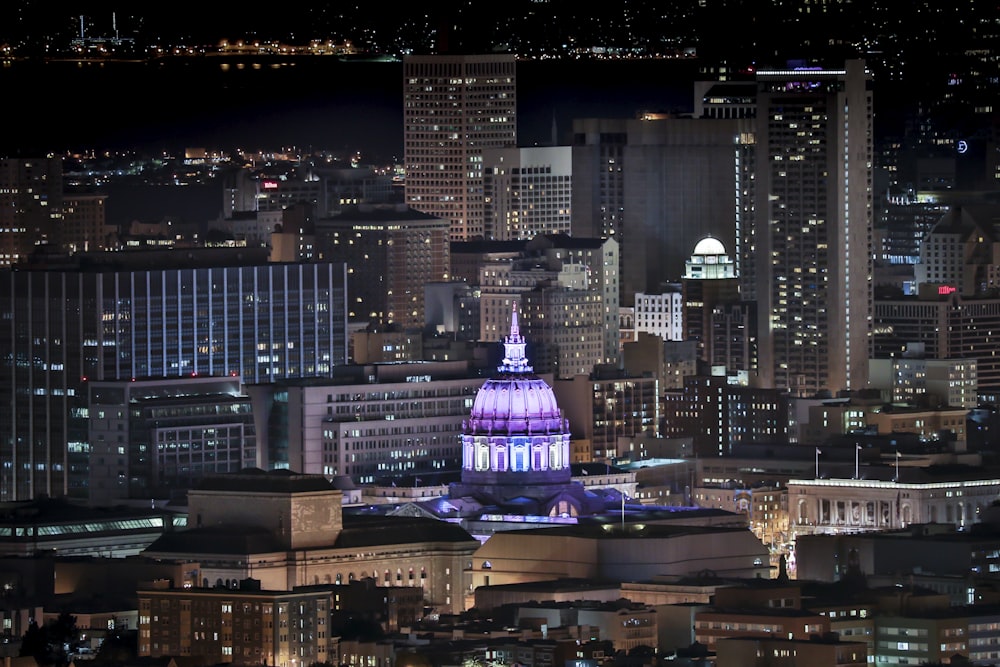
x,y
269,185
945,290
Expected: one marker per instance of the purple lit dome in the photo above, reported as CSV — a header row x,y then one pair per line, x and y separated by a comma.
x,y
515,402
515,405
515,435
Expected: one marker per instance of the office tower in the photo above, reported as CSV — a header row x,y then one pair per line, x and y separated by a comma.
x,y
502,284
31,203
391,252
813,226
527,191
903,223
144,315
454,107
601,258
947,326
508,268
658,185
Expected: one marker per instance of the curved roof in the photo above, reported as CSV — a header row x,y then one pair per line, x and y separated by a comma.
x,y
515,405
709,246
516,401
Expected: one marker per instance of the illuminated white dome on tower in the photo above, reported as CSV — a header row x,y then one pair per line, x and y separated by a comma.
x,y
709,261
709,246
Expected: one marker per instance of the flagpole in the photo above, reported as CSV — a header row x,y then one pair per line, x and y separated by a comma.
x,y
857,453
623,511
817,463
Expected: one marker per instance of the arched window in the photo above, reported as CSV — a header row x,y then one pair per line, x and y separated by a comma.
x,y
482,456
487,565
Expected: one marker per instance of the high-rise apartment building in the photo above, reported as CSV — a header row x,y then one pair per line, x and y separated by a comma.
x,y
812,235
31,203
454,107
148,314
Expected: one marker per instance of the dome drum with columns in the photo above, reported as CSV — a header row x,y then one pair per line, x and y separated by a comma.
x,y
516,442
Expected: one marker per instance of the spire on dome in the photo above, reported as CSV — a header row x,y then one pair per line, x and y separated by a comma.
x,y
514,360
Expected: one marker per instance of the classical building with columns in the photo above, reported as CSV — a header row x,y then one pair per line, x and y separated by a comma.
x,y
888,499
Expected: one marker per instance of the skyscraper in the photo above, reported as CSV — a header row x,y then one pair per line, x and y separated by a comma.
x,y
454,106
813,226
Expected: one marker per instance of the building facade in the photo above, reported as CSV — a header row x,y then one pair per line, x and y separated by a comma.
x,y
566,327
661,314
657,185
376,422
391,252
288,530
527,191
31,206
148,315
153,438
948,326
605,406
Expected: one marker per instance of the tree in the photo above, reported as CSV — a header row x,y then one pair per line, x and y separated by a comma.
x,y
51,644
33,643
118,648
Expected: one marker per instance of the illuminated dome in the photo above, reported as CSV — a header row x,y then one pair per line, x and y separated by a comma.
x,y
710,246
709,261
516,433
